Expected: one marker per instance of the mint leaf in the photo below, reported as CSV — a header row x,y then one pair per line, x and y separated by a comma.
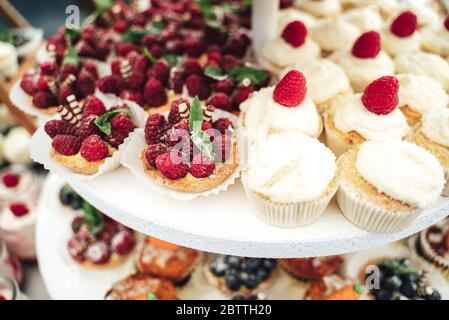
x,y
171,59
103,122
247,3
149,55
73,33
71,57
133,35
6,36
400,269
196,116
103,5
156,27
201,140
93,218
358,288
151,296
255,76
206,9
214,73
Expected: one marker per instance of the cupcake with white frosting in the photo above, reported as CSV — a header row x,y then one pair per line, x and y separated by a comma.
x,y
290,179
366,18
402,35
427,15
424,63
384,185
326,82
386,7
285,107
291,46
433,135
365,62
418,94
320,9
436,38
369,116
289,15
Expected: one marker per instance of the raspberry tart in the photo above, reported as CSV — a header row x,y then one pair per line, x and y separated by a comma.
x,y
311,269
334,287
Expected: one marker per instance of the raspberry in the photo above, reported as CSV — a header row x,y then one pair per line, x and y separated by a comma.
x,y
68,69
194,47
85,49
284,4
174,116
446,23
220,101
123,48
122,122
123,242
94,149
154,126
175,46
48,68
240,95
176,81
367,45
98,253
120,26
88,127
154,93
202,166
93,106
29,84
85,83
43,99
381,95
171,165
238,44
153,151
66,145
222,148
91,68
117,137
191,66
198,86
136,80
60,127
42,83
18,209
115,67
223,125
11,180
132,95
295,33
110,84
405,24
226,86
156,51
229,62
160,71
149,40
63,93
291,90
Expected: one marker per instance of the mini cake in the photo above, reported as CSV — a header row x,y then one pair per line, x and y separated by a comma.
x,y
402,35
166,260
97,241
190,151
386,7
418,94
424,63
290,179
238,275
320,9
291,46
433,135
369,116
285,107
377,188
17,181
436,38
141,286
366,18
334,287
88,134
311,269
289,15
326,82
365,62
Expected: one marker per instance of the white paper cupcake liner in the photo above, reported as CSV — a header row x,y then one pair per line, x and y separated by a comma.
x,y
370,217
337,145
446,185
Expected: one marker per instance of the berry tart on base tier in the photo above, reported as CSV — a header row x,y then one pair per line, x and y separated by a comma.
x,y
189,151
142,286
238,275
309,269
168,261
98,241
334,287
88,134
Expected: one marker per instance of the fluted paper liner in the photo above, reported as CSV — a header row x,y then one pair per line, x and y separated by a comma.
x,y
337,145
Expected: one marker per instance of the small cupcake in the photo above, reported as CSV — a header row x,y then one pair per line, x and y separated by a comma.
x,y
369,116
290,179
386,7
320,9
433,135
365,62
418,94
378,188
424,63
427,15
436,38
326,82
311,269
166,260
285,107
334,287
402,35
366,18
289,15
18,181
291,46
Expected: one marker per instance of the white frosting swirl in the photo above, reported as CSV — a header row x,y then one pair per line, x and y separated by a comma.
x,y
325,79
350,114
423,63
423,9
282,54
10,223
366,19
435,126
289,15
386,6
322,8
16,147
394,45
401,170
334,34
290,167
362,72
436,40
421,93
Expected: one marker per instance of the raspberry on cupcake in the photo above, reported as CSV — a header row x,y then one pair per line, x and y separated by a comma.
x,y
402,35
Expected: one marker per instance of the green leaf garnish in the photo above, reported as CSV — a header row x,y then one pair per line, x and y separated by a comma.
x,y
133,35
214,73
71,57
196,115
255,76
171,59
358,288
206,8
247,3
199,138
6,36
156,28
149,55
151,296
100,7
400,269
73,33
103,122
93,218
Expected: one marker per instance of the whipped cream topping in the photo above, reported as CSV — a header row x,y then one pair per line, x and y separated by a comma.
x,y
349,114
25,184
325,79
421,93
10,223
290,167
264,115
322,8
360,71
424,11
435,126
394,44
401,170
366,19
386,6
436,39
423,63
282,54
334,34
289,15
16,146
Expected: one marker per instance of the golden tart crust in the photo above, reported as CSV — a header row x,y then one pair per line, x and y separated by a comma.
x,y
413,117
52,110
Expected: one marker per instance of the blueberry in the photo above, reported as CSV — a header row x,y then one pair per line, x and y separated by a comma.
x,y
66,196
409,289
218,267
253,264
77,203
244,266
385,270
269,264
435,295
233,262
404,262
253,297
262,275
232,281
250,282
382,294
238,296
393,283
409,277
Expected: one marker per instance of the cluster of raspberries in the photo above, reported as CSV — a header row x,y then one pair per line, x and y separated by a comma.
x,y
50,85
171,150
92,144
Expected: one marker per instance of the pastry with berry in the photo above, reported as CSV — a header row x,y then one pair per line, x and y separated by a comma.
x,y
311,269
238,275
334,287
402,35
142,286
18,181
167,260
87,134
371,115
320,9
190,150
98,241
